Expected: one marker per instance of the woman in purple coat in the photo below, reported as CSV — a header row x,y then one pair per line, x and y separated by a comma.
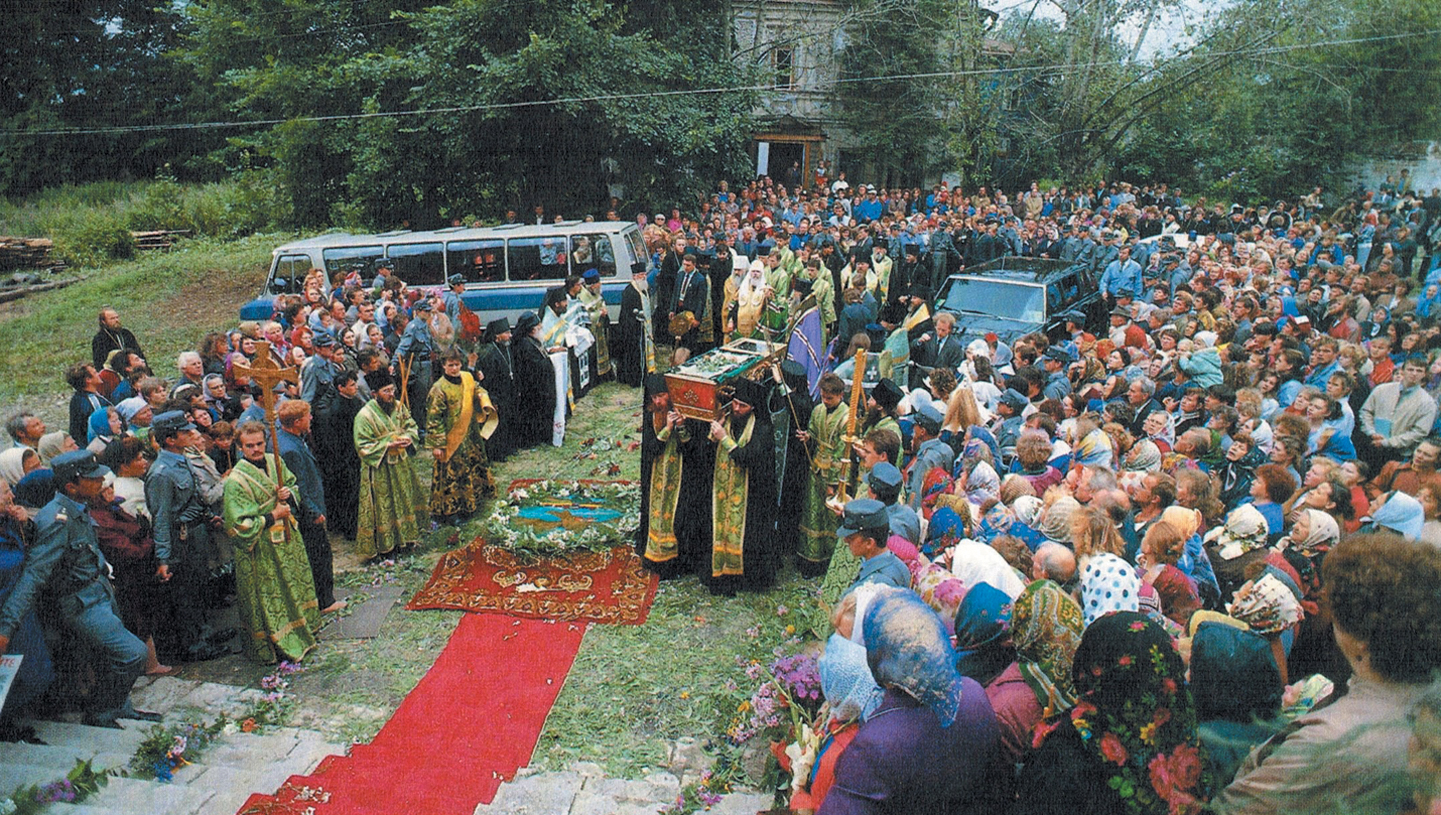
x,y
932,747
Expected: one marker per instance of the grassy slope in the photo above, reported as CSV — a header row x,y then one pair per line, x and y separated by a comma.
x,y
632,689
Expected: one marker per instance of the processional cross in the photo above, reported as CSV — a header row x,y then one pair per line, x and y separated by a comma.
x,y
267,375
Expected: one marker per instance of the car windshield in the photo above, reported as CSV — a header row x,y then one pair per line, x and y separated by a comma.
x,y
999,298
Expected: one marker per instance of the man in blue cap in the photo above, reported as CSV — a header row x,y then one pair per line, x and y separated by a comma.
x,y
929,452
181,529
317,374
884,483
1010,419
66,567
864,529
1058,384
417,349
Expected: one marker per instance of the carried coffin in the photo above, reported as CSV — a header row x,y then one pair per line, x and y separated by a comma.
x,y
698,386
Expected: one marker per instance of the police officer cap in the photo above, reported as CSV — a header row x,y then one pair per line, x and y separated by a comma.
x,y
887,394
1125,293
423,304
1073,316
885,477
456,279
322,339
862,514
78,464
172,421
1014,399
590,276
929,417
1058,354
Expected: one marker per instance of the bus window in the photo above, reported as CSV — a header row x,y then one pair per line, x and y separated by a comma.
x,y
290,272
351,257
480,261
592,252
537,258
419,264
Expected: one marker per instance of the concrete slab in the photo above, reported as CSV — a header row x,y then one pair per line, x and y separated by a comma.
x,y
540,794
363,621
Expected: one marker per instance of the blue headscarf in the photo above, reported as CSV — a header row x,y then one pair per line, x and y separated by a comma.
x,y
982,624
945,530
907,648
99,424
1401,514
846,680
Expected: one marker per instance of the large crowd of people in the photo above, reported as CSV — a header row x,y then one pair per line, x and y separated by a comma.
x,y
1186,559
1189,558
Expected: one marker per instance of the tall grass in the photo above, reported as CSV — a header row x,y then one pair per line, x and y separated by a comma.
x,y
91,223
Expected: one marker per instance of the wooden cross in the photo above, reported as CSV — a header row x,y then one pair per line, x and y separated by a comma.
x,y
267,374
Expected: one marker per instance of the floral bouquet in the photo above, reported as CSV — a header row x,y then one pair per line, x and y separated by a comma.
x,y
787,709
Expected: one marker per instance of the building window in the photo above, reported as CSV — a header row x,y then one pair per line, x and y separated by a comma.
x,y
783,63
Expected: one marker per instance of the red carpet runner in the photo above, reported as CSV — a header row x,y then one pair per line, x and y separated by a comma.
x,y
469,725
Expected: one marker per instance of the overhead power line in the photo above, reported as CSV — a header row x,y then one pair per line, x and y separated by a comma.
x,y
620,97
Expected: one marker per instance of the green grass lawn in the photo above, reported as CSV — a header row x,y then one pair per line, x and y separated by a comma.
x,y
632,690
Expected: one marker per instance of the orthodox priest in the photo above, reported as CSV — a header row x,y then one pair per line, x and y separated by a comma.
x,y
797,476
461,418
389,488
274,590
824,437
743,507
665,451
590,296
633,350
497,370
535,391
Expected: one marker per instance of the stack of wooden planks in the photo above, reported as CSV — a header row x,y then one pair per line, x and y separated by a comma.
x,y
158,239
25,253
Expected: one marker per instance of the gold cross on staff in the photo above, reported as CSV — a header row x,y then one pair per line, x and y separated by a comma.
x,y
266,374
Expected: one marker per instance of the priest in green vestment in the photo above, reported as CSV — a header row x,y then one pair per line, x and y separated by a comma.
x,y
664,437
460,419
274,592
743,497
826,437
896,353
389,488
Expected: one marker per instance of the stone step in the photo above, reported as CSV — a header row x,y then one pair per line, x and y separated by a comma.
x,y
107,739
540,794
135,797
232,785
62,757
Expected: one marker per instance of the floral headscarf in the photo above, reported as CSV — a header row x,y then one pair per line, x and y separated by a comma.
x,y
1168,433
1145,457
907,648
1267,605
1178,593
981,625
1094,450
1322,534
1027,509
982,484
937,482
939,589
1136,716
1108,584
1056,519
944,531
846,680
1245,531
1046,627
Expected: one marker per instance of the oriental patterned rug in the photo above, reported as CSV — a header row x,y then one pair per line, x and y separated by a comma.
x,y
608,586
475,717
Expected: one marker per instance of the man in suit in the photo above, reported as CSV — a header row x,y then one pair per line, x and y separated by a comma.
x,y
295,420
941,350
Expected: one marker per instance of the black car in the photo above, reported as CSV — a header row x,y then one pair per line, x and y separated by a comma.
x,y
1015,296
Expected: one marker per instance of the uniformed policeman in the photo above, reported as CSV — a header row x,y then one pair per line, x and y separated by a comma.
x,y
182,527
1058,384
417,349
66,570
317,375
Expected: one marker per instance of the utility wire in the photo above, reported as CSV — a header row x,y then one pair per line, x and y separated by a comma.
x,y
620,97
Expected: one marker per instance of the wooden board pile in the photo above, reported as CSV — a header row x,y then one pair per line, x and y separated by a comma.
x,y
25,253
158,239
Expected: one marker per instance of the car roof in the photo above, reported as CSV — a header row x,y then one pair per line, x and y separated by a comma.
x,y
1021,270
457,233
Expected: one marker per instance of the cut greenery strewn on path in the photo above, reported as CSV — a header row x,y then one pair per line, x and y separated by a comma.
x,y
632,689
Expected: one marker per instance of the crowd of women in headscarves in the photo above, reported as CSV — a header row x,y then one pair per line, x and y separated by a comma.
x,y
1188,562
